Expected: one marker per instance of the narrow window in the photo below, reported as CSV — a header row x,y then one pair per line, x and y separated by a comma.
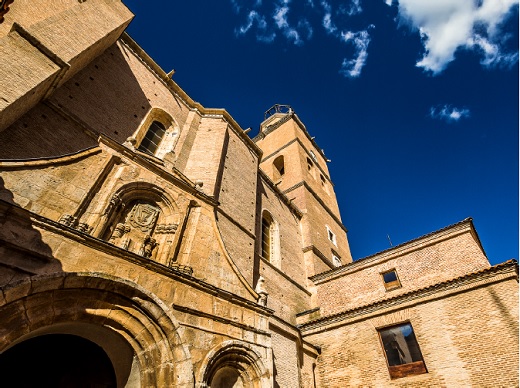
x,y
279,168
153,137
390,280
322,180
336,260
266,238
403,356
331,236
309,164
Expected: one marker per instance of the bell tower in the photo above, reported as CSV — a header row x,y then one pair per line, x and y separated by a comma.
x,y
294,162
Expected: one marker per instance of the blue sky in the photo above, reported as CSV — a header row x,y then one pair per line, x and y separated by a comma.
x,y
415,102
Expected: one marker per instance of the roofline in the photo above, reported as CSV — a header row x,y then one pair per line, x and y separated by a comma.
x,y
323,276
179,92
504,267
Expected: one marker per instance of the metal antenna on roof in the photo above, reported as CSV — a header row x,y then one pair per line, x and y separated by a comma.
x,y
390,241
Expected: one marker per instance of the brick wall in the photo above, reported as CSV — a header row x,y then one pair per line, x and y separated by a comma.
x,y
428,261
469,338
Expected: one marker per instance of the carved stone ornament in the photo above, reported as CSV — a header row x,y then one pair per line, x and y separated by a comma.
x,y
67,219
4,8
143,216
166,228
114,201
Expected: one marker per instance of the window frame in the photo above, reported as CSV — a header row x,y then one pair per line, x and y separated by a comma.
x,y
392,285
412,368
331,233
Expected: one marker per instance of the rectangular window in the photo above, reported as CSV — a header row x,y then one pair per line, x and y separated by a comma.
x,y
331,235
391,280
403,356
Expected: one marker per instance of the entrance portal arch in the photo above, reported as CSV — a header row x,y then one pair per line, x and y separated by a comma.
x,y
135,329
57,360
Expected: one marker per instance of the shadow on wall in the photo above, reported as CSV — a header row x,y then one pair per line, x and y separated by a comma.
x,y
54,360
105,97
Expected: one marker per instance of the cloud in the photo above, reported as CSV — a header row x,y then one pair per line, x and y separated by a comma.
x,y
253,18
449,25
448,113
283,18
353,8
352,67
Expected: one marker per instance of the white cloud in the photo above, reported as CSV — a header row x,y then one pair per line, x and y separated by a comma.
x,y
448,25
448,113
353,8
254,18
352,67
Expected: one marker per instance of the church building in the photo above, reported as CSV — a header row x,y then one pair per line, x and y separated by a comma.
x,y
149,241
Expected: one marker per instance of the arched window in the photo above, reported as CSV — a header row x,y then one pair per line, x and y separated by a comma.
x,y
266,237
153,138
278,168
270,240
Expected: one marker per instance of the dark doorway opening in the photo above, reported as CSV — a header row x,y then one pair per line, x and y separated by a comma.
x,y
57,361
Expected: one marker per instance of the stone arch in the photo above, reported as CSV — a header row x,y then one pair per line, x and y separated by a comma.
x,y
133,326
236,361
155,236
170,137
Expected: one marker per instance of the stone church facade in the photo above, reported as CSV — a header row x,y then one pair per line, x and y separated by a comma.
x,y
148,241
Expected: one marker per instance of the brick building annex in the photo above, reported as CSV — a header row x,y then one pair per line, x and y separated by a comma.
x,y
148,241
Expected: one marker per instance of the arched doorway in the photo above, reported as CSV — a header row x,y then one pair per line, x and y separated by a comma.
x,y
58,361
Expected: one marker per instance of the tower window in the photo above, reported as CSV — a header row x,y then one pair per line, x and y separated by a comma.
x,y
266,238
403,356
270,240
309,164
279,168
313,156
331,236
153,137
336,260
391,280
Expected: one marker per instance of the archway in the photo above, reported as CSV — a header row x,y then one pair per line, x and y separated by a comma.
x,y
57,360
234,364
133,327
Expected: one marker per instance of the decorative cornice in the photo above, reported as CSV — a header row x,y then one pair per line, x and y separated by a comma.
x,y
280,194
317,197
508,269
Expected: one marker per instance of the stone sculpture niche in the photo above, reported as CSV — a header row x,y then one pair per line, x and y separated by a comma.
x,y
134,228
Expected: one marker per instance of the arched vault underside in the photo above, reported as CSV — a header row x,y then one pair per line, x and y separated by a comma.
x,y
134,327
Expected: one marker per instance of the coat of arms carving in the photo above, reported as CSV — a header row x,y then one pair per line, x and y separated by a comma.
x,y
143,216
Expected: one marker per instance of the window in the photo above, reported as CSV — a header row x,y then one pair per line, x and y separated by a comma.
x,y
336,260
153,137
270,240
391,280
309,164
278,168
331,236
266,238
402,352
